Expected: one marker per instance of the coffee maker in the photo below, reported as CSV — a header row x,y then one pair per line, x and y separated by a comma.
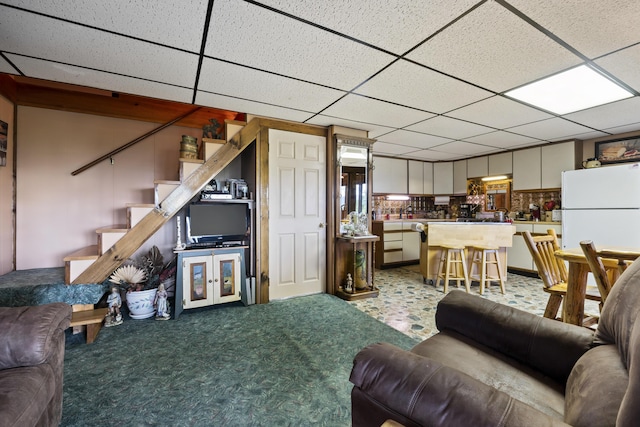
x,y
464,211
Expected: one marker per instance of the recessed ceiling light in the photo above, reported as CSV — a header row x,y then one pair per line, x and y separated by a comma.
x,y
572,90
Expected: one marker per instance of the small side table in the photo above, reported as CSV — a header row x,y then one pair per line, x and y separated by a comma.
x,y
347,248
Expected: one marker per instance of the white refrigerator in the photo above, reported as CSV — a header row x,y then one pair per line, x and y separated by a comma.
x,y
601,204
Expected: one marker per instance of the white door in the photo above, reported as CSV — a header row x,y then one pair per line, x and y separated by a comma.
x,y
297,214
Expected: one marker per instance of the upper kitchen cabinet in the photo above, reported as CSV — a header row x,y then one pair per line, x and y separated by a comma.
x,y
501,164
460,177
389,175
416,177
477,167
428,177
443,178
541,167
557,158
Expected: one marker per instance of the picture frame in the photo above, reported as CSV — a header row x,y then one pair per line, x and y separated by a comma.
x,y
227,285
618,150
198,281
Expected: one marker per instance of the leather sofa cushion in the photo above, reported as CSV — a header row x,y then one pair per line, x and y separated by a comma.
x,y
595,388
25,394
496,370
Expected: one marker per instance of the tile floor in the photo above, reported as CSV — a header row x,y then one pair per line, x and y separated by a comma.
x,y
408,305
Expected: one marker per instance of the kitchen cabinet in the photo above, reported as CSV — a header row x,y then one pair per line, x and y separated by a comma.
x,y
460,177
443,178
527,169
398,244
518,256
477,167
416,177
557,158
210,276
501,164
427,173
389,176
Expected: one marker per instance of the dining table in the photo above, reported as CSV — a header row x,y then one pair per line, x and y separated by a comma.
x,y
573,306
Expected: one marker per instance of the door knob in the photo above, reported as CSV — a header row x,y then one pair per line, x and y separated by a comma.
x,y
322,224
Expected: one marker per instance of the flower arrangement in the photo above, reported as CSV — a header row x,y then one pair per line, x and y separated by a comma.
x,y
147,273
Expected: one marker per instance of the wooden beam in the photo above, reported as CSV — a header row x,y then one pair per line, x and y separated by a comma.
x,y
154,220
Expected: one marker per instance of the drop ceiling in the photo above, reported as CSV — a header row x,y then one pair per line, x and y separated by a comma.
x,y
424,78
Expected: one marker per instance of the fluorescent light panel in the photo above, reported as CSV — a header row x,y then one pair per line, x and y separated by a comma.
x,y
572,90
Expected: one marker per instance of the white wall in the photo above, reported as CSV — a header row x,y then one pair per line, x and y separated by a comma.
x,y
57,213
6,192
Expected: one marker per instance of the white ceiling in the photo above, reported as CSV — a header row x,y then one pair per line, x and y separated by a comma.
x,y
425,78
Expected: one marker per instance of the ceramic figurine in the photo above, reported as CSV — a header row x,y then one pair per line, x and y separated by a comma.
x,y
349,287
160,302
114,317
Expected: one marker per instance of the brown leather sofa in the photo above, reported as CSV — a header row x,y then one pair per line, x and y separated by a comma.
x,y
31,364
493,365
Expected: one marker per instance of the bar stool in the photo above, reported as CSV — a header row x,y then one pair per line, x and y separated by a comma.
x,y
482,260
453,266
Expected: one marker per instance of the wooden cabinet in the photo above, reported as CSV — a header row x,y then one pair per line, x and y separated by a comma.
x,y
354,267
416,177
527,169
460,177
427,169
557,158
501,164
389,175
210,276
478,167
443,178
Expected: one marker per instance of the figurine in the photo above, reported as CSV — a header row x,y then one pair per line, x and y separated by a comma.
x,y
114,317
349,287
161,305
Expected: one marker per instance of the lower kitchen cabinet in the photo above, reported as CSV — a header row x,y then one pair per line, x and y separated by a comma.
x,y
208,277
518,256
398,245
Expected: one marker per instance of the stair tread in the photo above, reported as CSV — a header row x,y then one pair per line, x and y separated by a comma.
x,y
235,122
213,141
86,317
182,159
90,252
118,228
164,181
140,205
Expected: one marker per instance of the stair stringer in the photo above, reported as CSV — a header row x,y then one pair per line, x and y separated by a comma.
x,y
169,207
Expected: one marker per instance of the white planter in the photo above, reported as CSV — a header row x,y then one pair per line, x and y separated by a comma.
x,y
140,304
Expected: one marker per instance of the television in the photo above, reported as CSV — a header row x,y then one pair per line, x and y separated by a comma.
x,y
217,223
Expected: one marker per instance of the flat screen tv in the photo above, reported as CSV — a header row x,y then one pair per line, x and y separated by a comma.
x,y
217,223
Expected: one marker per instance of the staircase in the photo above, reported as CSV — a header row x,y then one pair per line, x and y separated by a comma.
x,y
79,264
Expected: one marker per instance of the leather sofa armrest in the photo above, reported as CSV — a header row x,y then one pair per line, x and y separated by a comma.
x,y
425,392
28,333
547,345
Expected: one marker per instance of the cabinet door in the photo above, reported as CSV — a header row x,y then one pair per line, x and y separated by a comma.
x,y
501,164
527,169
478,167
443,178
197,275
410,246
389,175
460,177
227,278
518,255
427,169
557,158
416,177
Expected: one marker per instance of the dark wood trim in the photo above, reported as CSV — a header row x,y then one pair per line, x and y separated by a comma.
x,y
8,87
262,151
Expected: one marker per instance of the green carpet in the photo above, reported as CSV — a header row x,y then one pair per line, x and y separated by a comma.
x,y
285,363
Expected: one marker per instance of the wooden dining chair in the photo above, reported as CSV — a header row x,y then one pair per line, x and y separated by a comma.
x,y
605,270
552,271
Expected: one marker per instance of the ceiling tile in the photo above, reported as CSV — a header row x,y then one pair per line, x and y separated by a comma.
x,y
555,128
250,35
499,112
593,27
624,65
177,24
502,139
361,19
585,135
5,67
431,155
615,114
463,148
361,109
409,84
241,82
250,107
60,41
449,128
391,149
413,139
493,48
633,127
374,130
98,79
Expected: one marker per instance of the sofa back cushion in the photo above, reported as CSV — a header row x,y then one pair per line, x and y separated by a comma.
x,y
596,388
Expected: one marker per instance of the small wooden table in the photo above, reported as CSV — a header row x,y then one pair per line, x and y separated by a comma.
x,y
573,306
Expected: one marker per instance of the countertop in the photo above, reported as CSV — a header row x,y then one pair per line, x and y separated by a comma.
x,y
422,220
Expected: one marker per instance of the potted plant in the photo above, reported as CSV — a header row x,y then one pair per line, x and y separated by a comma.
x,y
140,281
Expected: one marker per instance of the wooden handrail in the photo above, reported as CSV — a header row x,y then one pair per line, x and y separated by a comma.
x,y
133,142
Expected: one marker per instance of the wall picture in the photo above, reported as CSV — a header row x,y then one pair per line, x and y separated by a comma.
x,y
4,131
618,150
198,281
